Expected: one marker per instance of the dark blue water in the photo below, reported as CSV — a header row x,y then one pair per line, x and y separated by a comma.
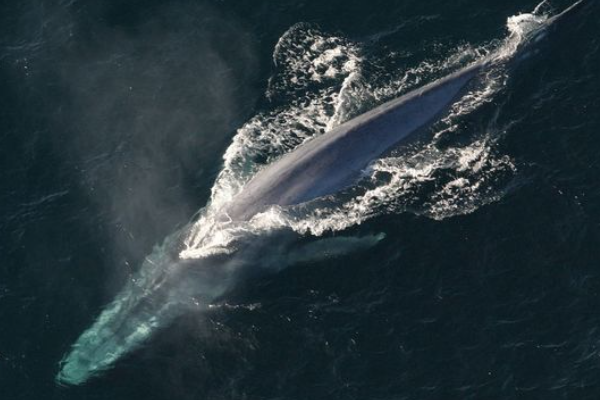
x,y
114,117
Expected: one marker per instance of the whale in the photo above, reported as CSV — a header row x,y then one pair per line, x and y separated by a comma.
x,y
167,285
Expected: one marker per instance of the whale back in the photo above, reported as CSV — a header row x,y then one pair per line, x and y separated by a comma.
x,y
328,163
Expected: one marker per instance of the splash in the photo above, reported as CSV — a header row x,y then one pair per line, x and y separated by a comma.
x,y
320,83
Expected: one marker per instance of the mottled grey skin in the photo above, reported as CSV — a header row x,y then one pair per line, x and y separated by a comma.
x,y
328,163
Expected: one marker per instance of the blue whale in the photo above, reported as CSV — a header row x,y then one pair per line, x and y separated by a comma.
x,y
322,166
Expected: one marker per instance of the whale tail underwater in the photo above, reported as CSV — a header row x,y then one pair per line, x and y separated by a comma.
x,y
171,282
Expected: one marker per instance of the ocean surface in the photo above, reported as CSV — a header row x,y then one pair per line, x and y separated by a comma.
x,y
467,267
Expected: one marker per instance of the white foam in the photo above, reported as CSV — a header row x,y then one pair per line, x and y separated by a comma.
x,y
320,80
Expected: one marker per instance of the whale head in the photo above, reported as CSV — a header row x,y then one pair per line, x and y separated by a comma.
x,y
164,288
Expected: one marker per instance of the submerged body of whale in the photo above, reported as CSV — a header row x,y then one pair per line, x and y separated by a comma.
x,y
320,167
